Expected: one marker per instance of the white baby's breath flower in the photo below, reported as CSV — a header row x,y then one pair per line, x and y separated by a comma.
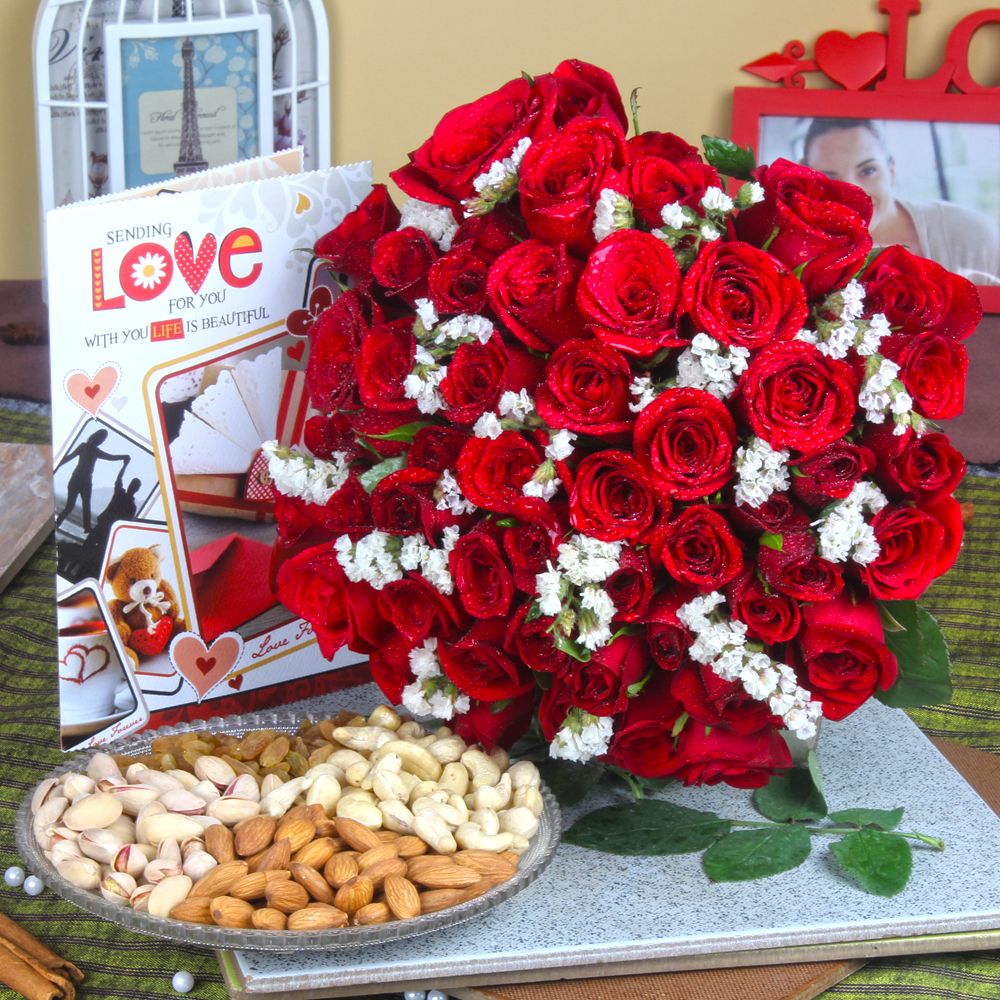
x,y
488,426
549,585
427,313
434,220
588,560
464,328
612,212
716,200
582,737
761,470
296,474
544,489
451,496
643,392
843,533
709,233
711,366
560,445
674,215
518,405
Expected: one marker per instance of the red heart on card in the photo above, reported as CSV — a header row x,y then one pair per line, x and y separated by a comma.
x,y
90,393
236,682
150,641
82,662
193,269
851,62
203,667
295,351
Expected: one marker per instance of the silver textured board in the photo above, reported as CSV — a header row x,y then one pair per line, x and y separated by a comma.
x,y
588,909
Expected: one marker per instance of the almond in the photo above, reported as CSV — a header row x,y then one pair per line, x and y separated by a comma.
x,y
478,889
354,894
440,873
377,854
316,854
340,868
219,843
381,869
268,919
439,899
373,913
410,846
286,896
328,828
386,836
298,832
402,897
220,879
488,864
359,837
318,917
312,882
254,885
253,835
194,911
230,912
278,855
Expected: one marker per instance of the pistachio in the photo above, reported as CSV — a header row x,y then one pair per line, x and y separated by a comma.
x,y
43,791
101,845
82,872
244,786
132,859
170,826
139,900
62,850
160,868
75,784
269,783
198,864
214,769
117,887
134,797
205,790
103,765
231,810
168,894
98,810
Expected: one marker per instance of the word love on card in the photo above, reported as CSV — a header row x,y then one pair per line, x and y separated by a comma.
x,y
148,268
89,392
203,667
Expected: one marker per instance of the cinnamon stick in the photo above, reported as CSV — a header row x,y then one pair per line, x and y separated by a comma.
x,y
33,969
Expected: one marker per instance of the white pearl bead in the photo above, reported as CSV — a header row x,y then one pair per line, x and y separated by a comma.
x,y
183,981
33,885
413,995
14,876
436,995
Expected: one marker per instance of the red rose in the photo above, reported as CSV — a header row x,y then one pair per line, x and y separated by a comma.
x,y
810,221
532,289
348,247
796,570
400,262
529,547
436,448
611,497
796,397
743,761
487,236
668,639
333,342
466,141
712,701
474,381
323,435
643,743
686,437
390,667
402,503
776,514
600,686
562,176
312,586
586,91
374,425
417,609
348,510
916,545
841,655
586,389
477,666
630,587
663,169
741,295
482,579
933,369
924,468
628,293
699,548
485,725
770,617
491,472
832,473
531,642
456,282
556,703
917,294
385,359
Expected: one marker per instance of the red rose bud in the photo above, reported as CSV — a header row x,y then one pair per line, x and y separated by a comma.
x,y
532,289
630,587
529,547
348,510
586,389
712,701
562,177
778,513
531,642
586,91
487,236
417,609
933,369
390,667
456,282
662,169
628,293
611,497
927,467
698,547
743,761
477,666
796,570
916,545
556,703
918,295
334,339
600,686
348,248
807,219
400,262
795,397
437,448
483,581
667,638
832,473
385,359
686,437
642,742
841,655
401,499
769,617
324,435
485,725
742,296
491,472
475,379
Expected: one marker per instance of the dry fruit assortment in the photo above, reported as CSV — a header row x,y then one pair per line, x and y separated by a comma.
x,y
351,821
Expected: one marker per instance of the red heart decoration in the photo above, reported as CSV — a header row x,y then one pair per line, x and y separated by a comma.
x,y
205,667
205,663
149,642
295,351
236,682
91,390
90,393
78,670
193,269
851,62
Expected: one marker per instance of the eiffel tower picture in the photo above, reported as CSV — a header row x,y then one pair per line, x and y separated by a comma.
x,y
189,157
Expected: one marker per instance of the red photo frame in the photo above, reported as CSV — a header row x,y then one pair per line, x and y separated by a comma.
x,y
753,105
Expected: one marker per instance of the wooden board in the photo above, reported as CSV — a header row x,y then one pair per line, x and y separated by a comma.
x,y
26,502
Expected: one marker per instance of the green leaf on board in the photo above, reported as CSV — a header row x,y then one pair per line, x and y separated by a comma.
x,y
370,478
884,819
647,827
922,654
569,782
881,862
750,854
791,795
727,157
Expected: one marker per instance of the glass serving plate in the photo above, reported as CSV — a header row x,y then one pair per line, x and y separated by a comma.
x,y
533,862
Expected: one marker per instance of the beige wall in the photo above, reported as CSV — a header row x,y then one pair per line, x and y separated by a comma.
x,y
397,65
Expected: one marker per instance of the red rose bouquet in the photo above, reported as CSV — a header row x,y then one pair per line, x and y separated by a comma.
x,y
603,445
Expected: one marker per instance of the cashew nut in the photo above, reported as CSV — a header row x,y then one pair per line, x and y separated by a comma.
x,y
396,816
530,798
495,797
362,810
472,838
278,802
422,788
520,820
524,774
428,804
325,790
355,775
500,757
433,830
482,769
446,749
344,759
416,759
363,738
487,819
410,730
385,717
454,778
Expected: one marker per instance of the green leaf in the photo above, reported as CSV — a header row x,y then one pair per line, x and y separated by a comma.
x,y
498,706
792,795
633,101
506,522
727,157
922,655
680,724
772,541
750,854
370,478
569,782
889,623
534,612
634,690
404,432
569,647
881,862
884,819
647,827
812,762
